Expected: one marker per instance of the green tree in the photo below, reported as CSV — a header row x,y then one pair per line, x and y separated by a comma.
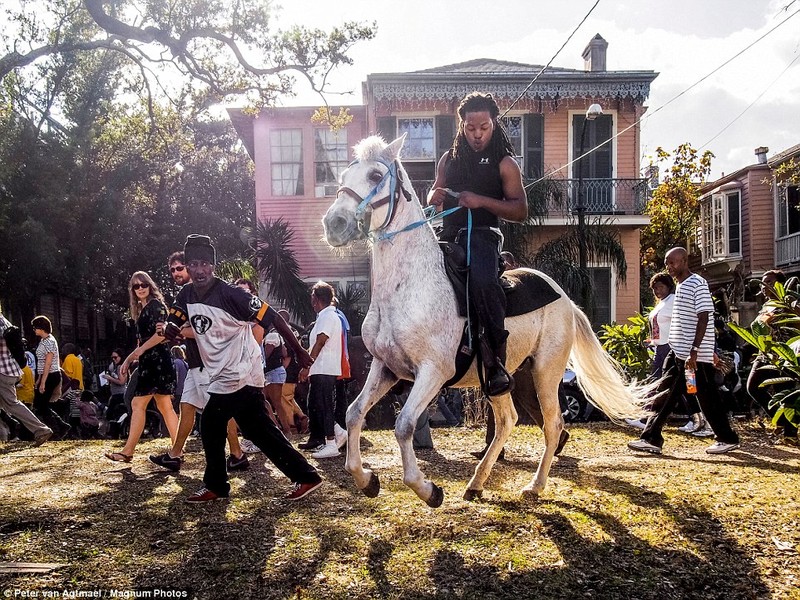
x,y
673,208
199,49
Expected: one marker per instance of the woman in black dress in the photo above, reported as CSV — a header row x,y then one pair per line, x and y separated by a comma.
x,y
156,377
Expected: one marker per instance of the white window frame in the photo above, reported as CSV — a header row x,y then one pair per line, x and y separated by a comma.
x,y
783,208
520,158
337,165
612,301
289,168
408,144
715,225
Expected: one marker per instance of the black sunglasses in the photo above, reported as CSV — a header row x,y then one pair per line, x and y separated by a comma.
x,y
136,286
179,269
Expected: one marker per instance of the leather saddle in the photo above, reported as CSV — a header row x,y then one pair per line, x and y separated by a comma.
x,y
525,292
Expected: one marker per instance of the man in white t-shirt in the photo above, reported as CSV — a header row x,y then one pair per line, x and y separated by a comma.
x,y
691,339
326,350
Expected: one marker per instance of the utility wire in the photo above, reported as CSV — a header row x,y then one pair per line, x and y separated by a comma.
x,y
667,103
574,31
749,106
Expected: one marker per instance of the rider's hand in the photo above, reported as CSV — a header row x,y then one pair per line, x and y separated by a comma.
x,y
437,196
470,200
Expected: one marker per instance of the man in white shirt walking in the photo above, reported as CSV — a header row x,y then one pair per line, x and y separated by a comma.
x,y
326,351
691,338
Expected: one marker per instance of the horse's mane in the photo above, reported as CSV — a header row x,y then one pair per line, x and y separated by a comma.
x,y
370,149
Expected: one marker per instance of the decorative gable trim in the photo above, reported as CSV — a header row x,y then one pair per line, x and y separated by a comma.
x,y
407,91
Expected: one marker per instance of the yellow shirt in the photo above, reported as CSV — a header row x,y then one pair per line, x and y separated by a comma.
x,y
25,386
73,367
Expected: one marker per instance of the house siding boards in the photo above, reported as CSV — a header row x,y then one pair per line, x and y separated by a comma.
x,y
760,223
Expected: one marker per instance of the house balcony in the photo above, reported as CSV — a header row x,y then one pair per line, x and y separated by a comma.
x,y
787,250
611,197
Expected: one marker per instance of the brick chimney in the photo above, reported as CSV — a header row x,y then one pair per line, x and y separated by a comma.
x,y
594,55
761,154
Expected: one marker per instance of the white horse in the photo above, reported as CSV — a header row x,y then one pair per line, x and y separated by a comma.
x,y
413,328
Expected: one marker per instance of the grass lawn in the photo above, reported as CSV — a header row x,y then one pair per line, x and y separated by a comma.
x,y
611,524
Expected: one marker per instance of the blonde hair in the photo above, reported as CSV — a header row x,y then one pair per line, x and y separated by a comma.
x,y
142,277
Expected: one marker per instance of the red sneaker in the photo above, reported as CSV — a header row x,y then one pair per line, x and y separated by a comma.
x,y
301,490
204,495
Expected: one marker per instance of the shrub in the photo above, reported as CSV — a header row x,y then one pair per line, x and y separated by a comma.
x,y
626,343
776,342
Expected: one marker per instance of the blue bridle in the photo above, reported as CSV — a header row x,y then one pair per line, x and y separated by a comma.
x,y
369,202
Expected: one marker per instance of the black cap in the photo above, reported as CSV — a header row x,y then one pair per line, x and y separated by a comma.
x,y
198,247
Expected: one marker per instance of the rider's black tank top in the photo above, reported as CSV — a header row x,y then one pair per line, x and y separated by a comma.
x,y
482,177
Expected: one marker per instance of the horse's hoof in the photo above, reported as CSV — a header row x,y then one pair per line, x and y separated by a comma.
x,y
529,495
373,487
436,498
470,495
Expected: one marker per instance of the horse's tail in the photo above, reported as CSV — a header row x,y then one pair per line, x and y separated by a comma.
x,y
601,377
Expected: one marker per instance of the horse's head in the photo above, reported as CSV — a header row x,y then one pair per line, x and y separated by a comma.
x,y
368,192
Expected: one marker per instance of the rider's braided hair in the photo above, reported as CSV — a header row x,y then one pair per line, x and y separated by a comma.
x,y
499,146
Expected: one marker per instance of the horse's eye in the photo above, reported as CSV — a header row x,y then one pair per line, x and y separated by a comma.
x,y
375,176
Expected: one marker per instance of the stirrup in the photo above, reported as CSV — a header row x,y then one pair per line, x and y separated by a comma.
x,y
499,370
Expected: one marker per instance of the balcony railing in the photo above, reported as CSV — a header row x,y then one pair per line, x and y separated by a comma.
x,y
601,196
787,250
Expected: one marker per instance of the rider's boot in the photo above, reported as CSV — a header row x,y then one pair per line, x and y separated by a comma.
x,y
498,380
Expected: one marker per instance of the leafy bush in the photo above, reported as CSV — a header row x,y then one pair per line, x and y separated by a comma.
x,y
776,342
626,343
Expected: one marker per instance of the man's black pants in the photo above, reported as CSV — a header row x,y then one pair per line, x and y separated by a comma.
x,y
673,387
247,407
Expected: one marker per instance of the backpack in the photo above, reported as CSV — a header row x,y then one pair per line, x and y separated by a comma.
x,y
13,337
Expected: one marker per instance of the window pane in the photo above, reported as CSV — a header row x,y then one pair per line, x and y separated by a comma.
x,y
601,279
286,152
734,224
513,127
793,209
707,225
718,227
330,159
420,139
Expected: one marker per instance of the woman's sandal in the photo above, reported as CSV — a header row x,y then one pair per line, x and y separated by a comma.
x,y
118,457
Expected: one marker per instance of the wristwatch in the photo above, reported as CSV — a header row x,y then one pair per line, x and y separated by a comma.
x,y
696,348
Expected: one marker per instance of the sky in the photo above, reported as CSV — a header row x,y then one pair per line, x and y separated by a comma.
x,y
682,40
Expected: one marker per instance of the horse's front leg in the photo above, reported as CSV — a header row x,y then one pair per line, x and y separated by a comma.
x,y
379,381
427,384
505,417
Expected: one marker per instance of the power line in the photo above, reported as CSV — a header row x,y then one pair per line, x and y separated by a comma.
x,y
574,31
749,106
667,103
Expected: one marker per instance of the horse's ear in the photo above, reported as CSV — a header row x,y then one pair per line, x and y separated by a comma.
x,y
392,151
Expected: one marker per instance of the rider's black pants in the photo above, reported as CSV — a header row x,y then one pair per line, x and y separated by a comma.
x,y
484,283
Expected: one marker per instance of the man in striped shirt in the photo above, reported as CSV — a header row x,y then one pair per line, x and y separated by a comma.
x,y
691,337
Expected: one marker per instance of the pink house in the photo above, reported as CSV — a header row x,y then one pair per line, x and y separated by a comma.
x,y
297,162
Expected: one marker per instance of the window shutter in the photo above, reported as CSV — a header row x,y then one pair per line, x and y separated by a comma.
x,y
445,132
602,156
534,145
387,128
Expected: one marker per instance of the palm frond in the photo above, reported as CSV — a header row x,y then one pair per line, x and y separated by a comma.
x,y
275,261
